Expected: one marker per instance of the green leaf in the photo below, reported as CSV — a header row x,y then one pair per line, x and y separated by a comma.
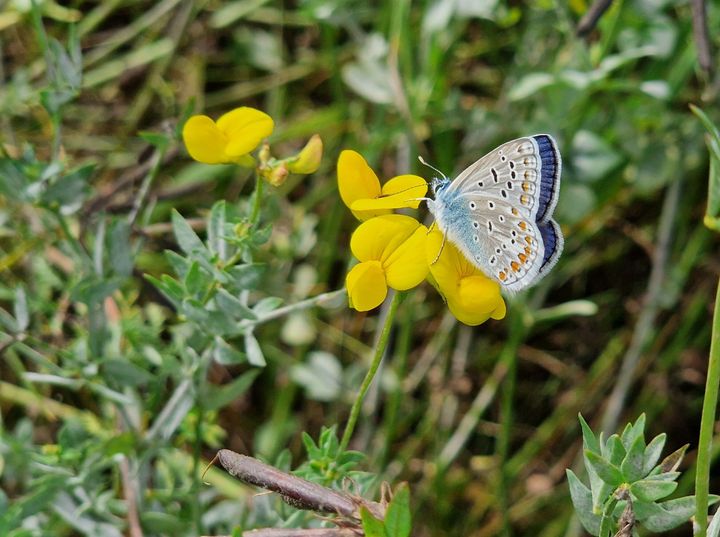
x,y
614,450
589,441
195,281
245,277
605,470
583,503
266,305
187,239
593,157
372,527
632,464
20,309
216,231
125,373
232,306
217,398
225,354
170,287
712,214
398,518
253,350
652,453
656,518
649,490
121,257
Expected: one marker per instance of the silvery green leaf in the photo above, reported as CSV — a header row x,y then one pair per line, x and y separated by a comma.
x,y
632,464
657,519
607,471
187,239
226,354
179,263
652,490
216,231
266,305
529,85
321,376
220,396
232,306
589,441
583,503
593,157
652,453
253,350
20,309
614,451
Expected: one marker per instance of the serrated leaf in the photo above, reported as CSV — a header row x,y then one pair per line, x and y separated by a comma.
x,y
605,470
672,461
589,441
583,503
632,464
221,396
653,452
254,352
398,520
216,230
372,527
187,239
650,490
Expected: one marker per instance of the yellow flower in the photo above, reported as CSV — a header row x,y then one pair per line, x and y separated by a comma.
x,y
471,296
360,188
308,159
230,139
391,251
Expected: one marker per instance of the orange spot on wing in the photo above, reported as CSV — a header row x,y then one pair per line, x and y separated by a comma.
x,y
528,240
524,199
515,266
523,226
523,258
526,187
528,250
514,211
502,275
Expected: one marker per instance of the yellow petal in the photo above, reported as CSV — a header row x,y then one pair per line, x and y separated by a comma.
x,y
245,128
204,141
475,300
366,286
377,238
404,188
356,180
406,267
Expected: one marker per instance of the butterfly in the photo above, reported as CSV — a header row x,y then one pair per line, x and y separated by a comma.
x,y
498,212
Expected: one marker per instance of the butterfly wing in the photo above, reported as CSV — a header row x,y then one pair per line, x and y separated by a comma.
x,y
499,211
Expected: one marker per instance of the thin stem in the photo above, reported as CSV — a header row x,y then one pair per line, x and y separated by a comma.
x,y
365,386
255,214
702,474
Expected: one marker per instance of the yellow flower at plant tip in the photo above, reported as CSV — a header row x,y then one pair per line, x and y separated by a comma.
x,y
391,251
471,296
308,159
360,188
230,139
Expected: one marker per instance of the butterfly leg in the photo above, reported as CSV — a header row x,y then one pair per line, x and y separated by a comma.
x,y
442,245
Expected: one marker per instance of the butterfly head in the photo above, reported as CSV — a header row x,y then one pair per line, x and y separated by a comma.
x,y
438,184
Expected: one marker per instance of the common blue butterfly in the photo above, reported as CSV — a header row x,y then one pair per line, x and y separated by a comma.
x,y
498,212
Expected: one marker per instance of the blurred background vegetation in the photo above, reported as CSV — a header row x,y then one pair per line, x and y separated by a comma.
x,y
112,402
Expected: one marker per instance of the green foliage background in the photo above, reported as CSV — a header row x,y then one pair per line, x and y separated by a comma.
x,y
112,402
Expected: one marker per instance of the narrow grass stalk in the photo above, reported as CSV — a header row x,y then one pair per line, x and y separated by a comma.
x,y
255,214
367,381
702,474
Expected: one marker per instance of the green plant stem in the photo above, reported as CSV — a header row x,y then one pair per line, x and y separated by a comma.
x,y
255,214
702,473
365,386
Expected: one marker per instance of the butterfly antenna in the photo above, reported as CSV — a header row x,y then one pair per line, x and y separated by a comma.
x,y
422,161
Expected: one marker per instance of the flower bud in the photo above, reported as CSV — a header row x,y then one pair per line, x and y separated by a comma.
x,y
276,175
308,159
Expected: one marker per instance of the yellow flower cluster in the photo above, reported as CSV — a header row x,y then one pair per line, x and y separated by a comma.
x,y
232,138
398,252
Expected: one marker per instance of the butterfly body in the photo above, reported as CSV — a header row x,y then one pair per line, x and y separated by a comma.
x,y
498,212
